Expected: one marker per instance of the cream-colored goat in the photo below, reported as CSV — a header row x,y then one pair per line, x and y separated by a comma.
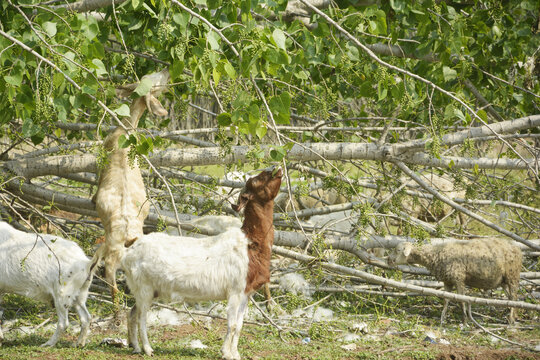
x,y
121,200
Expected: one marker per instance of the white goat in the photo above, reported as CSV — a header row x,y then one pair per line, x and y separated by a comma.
x,y
49,269
121,197
229,266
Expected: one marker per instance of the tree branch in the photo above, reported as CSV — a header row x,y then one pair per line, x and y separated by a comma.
x,y
88,5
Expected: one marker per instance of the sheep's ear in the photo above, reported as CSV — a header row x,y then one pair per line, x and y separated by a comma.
x,y
242,201
154,106
407,249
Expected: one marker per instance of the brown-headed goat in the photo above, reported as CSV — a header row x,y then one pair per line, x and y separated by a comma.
x,y
228,266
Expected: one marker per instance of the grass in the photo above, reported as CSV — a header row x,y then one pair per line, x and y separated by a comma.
x,y
397,329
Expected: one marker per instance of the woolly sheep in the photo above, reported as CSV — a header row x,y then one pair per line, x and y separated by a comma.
x,y
479,263
49,269
229,266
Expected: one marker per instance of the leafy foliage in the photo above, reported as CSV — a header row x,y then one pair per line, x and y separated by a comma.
x,y
313,72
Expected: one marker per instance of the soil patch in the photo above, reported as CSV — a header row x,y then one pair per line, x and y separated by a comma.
x,y
480,353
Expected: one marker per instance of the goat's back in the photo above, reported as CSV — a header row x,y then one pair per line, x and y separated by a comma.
x,y
35,265
192,269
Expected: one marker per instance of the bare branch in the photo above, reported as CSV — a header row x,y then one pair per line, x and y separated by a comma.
x,y
88,5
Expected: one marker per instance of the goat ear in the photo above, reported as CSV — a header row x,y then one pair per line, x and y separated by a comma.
x,y
242,201
407,249
154,106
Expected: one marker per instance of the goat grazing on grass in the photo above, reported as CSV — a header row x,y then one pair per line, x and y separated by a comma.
x,y
229,266
479,263
121,197
49,269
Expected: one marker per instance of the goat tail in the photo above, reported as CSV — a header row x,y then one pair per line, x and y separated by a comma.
x,y
94,264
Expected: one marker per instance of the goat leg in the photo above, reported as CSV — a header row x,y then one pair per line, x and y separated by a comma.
x,y
236,306
240,312
61,326
1,316
133,329
142,309
85,318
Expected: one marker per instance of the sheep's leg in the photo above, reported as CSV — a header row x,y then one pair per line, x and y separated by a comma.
x,y
511,291
142,309
234,304
85,318
241,311
61,326
443,313
133,329
445,307
460,288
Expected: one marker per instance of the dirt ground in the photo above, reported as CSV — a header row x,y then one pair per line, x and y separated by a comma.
x,y
448,352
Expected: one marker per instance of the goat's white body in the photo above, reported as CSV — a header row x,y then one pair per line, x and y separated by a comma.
x,y
189,269
49,269
215,224
186,268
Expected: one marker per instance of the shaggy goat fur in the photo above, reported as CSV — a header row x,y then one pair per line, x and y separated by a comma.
x,y
121,197
479,263
49,269
229,266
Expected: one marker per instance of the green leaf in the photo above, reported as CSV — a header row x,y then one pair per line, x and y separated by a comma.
x,y
29,128
123,142
145,146
213,39
449,74
260,131
483,115
50,28
216,75
279,38
15,79
123,110
99,66
181,19
224,119
176,69
382,91
136,3
144,86
277,153
280,106
229,69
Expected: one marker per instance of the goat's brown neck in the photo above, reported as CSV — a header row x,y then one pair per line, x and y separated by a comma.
x,y
258,221
259,229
